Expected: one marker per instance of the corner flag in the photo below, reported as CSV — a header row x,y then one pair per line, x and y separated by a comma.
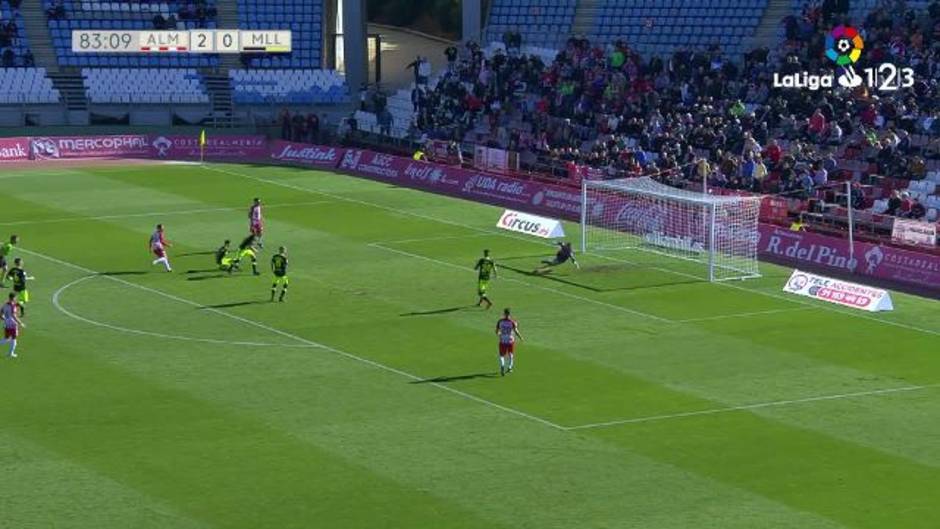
x,y
202,146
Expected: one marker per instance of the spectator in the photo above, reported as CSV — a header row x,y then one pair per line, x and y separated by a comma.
x,y
28,60
759,174
820,175
159,22
918,211
894,203
7,58
285,124
313,128
906,205
451,54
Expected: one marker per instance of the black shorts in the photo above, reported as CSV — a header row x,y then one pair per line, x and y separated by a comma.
x,y
3,262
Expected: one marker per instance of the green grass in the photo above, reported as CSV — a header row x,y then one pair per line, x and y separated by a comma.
x,y
151,400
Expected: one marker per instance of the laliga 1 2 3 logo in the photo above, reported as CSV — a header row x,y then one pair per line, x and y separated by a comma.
x,y
844,46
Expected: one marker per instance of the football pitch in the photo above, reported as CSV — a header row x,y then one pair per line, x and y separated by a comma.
x,y
643,397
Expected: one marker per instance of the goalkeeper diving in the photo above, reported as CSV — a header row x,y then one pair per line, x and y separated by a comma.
x,y
565,253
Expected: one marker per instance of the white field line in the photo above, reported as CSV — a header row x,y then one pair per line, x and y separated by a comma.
x,y
745,314
726,284
747,407
57,303
80,218
376,205
790,299
302,340
526,283
428,239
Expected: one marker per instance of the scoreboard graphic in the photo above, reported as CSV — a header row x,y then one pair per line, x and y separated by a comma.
x,y
193,41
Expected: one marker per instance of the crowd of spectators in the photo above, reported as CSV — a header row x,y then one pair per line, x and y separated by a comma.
x,y
299,127
199,12
698,115
9,39
56,11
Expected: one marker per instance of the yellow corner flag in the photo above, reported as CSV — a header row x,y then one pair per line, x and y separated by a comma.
x,y
202,146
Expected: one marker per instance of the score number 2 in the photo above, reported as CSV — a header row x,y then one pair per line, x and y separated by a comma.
x,y
889,78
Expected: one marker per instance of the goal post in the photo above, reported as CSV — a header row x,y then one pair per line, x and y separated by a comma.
x,y
720,233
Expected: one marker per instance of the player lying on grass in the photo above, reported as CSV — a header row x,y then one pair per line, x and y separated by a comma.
x,y
279,269
508,330
158,245
20,278
246,250
564,254
11,323
6,251
222,259
486,270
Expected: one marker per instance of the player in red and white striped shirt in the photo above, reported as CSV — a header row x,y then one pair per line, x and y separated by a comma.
x,y
508,331
158,245
256,221
11,323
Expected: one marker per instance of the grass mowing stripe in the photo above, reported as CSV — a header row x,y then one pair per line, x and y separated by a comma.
x,y
526,283
300,339
153,214
756,406
744,315
378,206
57,303
494,232
819,305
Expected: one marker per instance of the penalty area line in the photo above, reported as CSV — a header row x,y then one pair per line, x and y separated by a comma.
x,y
748,407
302,340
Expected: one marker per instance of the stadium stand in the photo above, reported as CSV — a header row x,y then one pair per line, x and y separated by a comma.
x,y
288,86
303,18
540,22
139,85
67,15
683,108
14,46
26,86
659,28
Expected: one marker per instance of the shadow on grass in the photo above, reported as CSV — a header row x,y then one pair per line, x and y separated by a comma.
x,y
211,276
438,311
455,378
548,275
190,254
232,305
206,271
125,273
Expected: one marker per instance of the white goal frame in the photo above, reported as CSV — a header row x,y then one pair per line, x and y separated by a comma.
x,y
719,232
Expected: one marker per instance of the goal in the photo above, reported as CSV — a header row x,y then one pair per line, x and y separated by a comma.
x,y
718,233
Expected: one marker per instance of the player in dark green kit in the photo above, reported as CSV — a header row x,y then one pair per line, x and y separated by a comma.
x,y
20,278
6,251
222,258
247,250
486,270
279,269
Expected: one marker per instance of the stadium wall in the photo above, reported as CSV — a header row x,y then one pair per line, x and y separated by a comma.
x,y
907,269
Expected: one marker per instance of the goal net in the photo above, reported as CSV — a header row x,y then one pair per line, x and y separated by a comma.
x,y
717,232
